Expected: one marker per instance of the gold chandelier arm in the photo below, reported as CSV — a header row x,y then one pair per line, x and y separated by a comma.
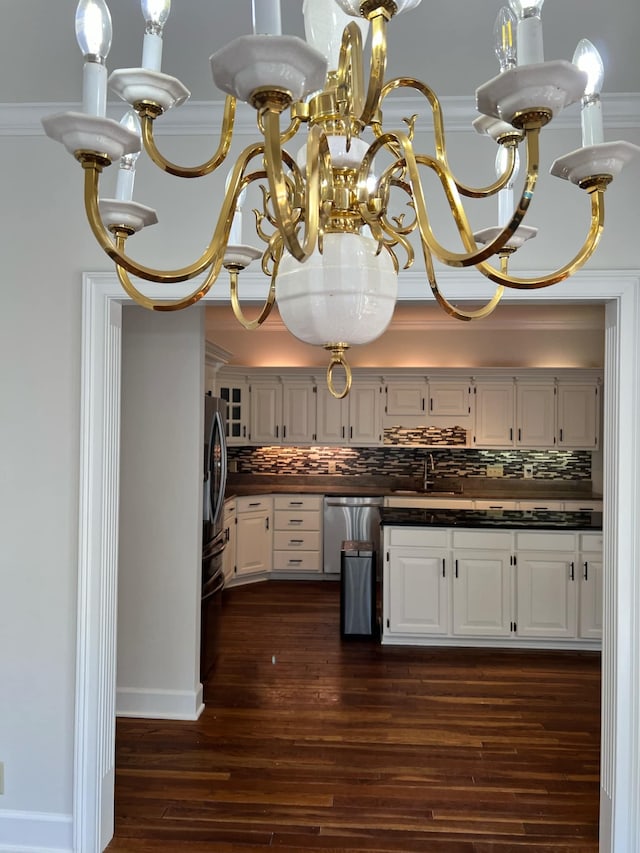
x,y
474,255
213,253
596,229
235,301
439,135
452,310
378,65
226,133
318,178
153,305
350,74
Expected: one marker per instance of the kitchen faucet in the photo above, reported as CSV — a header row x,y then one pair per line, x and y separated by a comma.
x,y
426,482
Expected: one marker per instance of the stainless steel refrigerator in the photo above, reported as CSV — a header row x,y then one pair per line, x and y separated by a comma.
x,y
213,540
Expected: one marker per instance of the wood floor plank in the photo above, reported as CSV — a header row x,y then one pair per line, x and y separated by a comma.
x,y
309,742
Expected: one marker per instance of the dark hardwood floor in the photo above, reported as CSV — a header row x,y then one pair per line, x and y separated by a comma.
x,y
313,743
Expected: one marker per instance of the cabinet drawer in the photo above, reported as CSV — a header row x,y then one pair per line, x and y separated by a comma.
x,y
418,537
305,540
286,519
583,506
301,561
591,542
483,539
297,502
495,504
253,504
546,541
548,505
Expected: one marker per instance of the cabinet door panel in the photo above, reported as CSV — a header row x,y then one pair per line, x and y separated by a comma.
x,y
298,413
546,596
449,399
494,414
418,593
253,543
266,413
578,414
591,597
406,398
365,416
332,418
482,594
536,415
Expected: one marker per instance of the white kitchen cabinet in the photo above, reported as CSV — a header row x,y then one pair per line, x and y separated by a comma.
x,y
417,591
297,534
266,412
494,414
235,392
449,399
406,398
229,527
419,502
547,585
583,506
535,414
254,532
298,412
495,504
482,581
591,585
355,420
578,415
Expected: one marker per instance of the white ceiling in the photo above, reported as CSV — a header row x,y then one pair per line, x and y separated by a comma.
x,y
446,43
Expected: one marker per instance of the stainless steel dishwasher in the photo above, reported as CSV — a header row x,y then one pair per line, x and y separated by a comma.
x,y
349,519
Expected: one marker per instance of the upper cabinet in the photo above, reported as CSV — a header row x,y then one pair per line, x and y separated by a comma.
x,y
495,414
532,409
578,415
535,414
356,419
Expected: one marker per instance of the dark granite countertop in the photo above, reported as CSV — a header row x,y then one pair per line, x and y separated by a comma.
x,y
503,519
360,484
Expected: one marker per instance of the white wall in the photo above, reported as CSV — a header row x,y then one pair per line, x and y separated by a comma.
x,y
159,559
45,245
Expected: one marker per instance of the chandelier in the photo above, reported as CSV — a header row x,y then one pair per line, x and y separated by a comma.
x,y
339,208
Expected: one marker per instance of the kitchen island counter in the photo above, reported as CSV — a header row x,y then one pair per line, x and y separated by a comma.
x,y
503,519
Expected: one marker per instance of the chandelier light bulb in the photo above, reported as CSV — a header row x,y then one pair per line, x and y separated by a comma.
x,y
324,23
587,59
127,168
93,34
505,38
155,14
529,35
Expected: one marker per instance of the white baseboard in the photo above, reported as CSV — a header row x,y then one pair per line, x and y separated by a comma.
x,y
35,832
159,704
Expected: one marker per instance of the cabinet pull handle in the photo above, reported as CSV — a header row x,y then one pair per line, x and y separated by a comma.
x,y
510,433
291,562
295,520
572,570
296,541
266,523
350,432
343,432
277,431
560,433
519,434
284,431
255,503
444,565
296,503
456,568
586,571
430,404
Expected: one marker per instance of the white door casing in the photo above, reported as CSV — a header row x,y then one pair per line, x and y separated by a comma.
x,y
103,299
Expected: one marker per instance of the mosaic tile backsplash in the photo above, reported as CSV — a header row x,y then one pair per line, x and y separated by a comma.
x,y
408,462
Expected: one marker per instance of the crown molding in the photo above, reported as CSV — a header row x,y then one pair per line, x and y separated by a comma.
x,y
199,118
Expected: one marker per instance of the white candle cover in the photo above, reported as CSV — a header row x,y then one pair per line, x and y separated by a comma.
x,y
530,48
94,88
152,51
505,205
124,184
266,17
591,122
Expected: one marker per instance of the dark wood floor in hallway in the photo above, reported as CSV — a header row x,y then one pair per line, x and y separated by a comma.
x,y
312,743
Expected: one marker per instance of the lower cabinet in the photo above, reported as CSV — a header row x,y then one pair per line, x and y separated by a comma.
x,y
482,584
492,587
297,534
254,535
547,592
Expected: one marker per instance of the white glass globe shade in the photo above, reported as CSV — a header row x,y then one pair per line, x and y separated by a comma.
x,y
346,295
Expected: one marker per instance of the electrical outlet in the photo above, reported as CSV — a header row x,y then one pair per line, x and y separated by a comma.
x,y
332,466
1,778
528,472
495,470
